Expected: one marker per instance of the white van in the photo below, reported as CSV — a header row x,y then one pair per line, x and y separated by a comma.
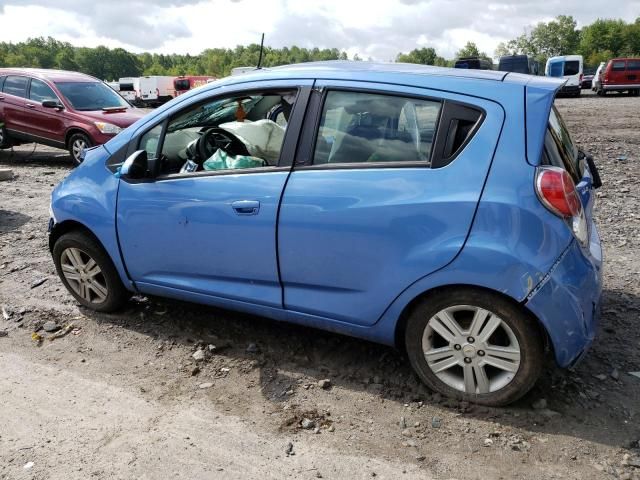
x,y
156,90
569,67
130,89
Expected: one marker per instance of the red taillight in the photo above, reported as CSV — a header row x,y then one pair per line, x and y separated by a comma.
x,y
558,192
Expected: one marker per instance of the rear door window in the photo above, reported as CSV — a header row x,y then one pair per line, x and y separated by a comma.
x,y
360,127
572,67
1,82
14,85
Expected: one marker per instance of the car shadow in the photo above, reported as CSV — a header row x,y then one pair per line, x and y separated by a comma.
x,y
35,154
590,402
10,220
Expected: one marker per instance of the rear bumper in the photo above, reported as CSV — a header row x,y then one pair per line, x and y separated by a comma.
x,y
613,87
567,302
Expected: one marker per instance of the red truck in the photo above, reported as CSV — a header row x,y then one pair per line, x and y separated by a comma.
x,y
61,109
185,83
620,74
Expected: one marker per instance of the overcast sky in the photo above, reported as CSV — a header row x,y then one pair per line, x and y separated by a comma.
x,y
374,28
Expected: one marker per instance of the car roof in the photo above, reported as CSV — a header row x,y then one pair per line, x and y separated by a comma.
x,y
51,75
335,67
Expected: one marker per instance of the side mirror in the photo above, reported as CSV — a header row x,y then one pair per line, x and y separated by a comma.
x,y
135,166
52,104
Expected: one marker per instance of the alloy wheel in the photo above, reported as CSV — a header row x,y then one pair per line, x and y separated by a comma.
x,y
471,349
84,275
77,147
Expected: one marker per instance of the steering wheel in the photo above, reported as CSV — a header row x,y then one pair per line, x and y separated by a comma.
x,y
216,138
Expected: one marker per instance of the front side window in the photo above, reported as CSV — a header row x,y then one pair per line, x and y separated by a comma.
x,y
232,133
40,91
91,96
14,85
358,127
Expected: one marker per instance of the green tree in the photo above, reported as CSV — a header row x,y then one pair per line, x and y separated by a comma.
x,y
424,56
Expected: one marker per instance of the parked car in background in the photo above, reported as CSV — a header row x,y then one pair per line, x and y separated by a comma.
x,y
587,78
569,67
597,77
403,204
130,89
474,63
156,90
185,83
61,109
620,75
519,64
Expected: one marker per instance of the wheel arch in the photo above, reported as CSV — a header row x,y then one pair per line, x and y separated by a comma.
x,y
67,226
401,324
72,131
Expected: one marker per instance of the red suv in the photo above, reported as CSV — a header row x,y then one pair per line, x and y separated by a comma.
x,y
61,109
621,74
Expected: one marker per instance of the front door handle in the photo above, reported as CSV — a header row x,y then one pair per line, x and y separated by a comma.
x,y
246,207
30,105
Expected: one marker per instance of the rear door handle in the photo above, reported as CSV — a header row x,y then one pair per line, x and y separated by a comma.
x,y
1,99
246,207
30,105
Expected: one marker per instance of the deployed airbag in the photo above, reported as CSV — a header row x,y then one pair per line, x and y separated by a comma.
x,y
262,138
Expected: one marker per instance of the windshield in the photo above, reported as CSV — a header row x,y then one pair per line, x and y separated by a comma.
x,y
214,113
86,96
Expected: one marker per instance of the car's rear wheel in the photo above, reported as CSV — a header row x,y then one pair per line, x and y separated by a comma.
x,y
88,273
474,345
5,142
77,144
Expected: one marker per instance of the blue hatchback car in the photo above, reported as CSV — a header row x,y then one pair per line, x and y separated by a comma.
x,y
446,212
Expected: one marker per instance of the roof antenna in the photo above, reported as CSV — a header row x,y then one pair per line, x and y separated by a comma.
x,y
260,57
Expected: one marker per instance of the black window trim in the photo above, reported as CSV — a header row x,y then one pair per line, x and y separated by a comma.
x,y
289,144
311,130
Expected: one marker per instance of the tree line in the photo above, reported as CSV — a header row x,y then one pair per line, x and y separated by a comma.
x,y
111,64
599,41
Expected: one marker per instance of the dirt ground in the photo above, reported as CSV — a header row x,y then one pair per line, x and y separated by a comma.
x,y
121,396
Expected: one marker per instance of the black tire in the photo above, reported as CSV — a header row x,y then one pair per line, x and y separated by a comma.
x,y
117,295
525,328
5,140
601,93
74,145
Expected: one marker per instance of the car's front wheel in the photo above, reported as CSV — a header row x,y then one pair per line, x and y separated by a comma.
x,y
474,345
77,144
88,273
